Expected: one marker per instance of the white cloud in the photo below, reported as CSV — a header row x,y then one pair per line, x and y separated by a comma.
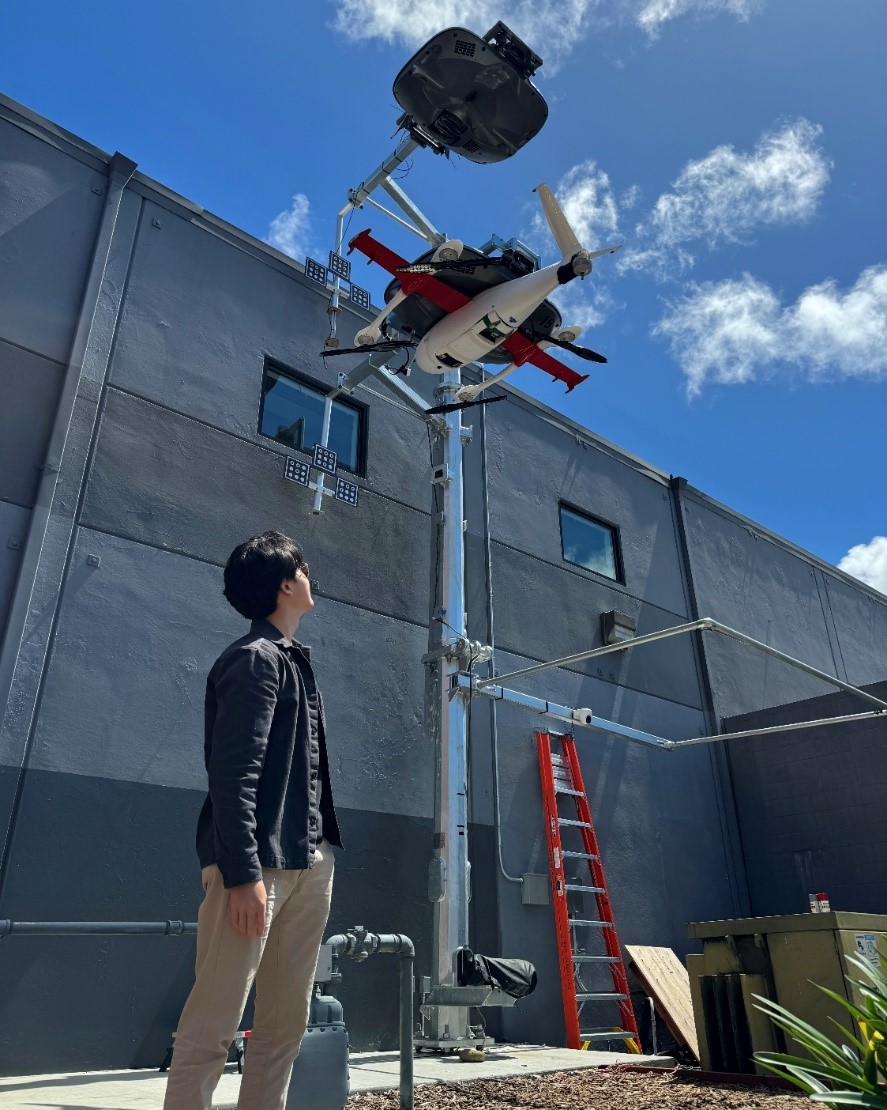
x,y
290,230
553,28
654,13
583,304
868,563
736,331
725,196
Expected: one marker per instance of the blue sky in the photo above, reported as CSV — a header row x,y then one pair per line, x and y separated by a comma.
x,y
736,147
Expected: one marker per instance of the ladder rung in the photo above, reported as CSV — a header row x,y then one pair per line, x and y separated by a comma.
x,y
568,790
579,855
576,824
601,994
591,924
587,889
597,959
616,1035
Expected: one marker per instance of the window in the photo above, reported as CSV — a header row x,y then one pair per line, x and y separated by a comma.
x,y
590,543
292,413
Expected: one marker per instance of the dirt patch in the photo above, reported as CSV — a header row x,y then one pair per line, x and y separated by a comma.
x,y
590,1089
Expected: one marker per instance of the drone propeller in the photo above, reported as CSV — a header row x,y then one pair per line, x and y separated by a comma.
x,y
368,348
457,405
467,266
575,349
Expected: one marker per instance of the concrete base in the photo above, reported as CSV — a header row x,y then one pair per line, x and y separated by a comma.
x,y
370,1071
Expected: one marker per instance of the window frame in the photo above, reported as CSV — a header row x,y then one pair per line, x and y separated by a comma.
x,y
614,531
362,410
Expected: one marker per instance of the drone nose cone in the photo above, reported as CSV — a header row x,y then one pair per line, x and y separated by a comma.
x,y
581,264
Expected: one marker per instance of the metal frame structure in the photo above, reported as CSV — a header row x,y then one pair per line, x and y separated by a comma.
x,y
493,688
446,1007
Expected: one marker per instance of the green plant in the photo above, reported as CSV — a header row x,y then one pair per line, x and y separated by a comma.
x,y
839,1075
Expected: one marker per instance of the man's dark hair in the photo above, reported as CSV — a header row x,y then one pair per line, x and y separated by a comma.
x,y
255,570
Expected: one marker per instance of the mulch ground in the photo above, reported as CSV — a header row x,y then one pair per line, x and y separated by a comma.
x,y
590,1089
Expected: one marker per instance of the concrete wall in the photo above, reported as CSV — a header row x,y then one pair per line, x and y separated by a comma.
x,y
158,318
761,584
811,805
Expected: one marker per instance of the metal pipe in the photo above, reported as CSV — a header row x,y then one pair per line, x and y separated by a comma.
x,y
582,717
770,729
494,724
358,945
426,228
451,794
566,660
96,928
407,987
705,624
716,626
397,219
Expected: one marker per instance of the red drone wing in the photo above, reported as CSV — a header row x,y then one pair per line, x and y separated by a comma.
x,y
426,285
524,350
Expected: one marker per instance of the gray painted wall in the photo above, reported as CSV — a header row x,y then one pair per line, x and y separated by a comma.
x,y
100,761
811,805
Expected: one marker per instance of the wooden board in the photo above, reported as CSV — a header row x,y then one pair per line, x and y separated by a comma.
x,y
665,979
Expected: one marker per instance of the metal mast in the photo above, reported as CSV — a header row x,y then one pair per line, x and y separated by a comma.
x,y
445,1006
449,876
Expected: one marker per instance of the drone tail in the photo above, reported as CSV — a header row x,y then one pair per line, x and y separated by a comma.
x,y
563,234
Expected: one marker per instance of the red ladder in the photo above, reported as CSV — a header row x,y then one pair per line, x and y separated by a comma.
x,y
561,774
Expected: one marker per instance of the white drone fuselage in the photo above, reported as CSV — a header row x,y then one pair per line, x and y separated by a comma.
x,y
469,333
475,329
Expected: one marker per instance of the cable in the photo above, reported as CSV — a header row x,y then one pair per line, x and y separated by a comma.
x,y
494,732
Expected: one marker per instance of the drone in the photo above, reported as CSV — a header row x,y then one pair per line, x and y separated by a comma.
x,y
459,306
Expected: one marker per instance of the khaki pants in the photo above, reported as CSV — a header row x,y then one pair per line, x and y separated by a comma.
x,y
282,962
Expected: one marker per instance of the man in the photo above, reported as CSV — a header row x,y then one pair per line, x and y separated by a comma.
x,y
263,839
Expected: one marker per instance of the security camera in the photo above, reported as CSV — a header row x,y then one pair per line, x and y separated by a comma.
x,y
583,717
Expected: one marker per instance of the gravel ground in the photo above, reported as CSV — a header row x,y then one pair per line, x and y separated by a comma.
x,y
590,1089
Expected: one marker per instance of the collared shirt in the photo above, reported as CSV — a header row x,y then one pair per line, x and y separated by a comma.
x,y
258,751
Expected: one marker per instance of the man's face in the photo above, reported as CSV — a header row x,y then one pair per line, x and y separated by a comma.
x,y
295,593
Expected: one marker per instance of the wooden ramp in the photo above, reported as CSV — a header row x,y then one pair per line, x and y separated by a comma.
x,y
666,981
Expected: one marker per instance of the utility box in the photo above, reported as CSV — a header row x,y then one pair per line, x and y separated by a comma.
x,y
780,958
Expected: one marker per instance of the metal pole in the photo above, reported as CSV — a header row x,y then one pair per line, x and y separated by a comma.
x,y
96,928
407,986
566,660
358,945
792,726
450,862
716,626
705,624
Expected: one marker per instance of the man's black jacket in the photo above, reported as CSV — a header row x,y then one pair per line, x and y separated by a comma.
x,y
257,754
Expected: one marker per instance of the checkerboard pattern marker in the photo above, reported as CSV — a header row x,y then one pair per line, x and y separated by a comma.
x,y
296,471
360,297
325,459
340,266
316,271
346,491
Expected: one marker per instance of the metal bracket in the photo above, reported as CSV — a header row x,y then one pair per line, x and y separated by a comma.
x,y
440,475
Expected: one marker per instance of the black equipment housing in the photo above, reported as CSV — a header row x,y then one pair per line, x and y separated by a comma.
x,y
472,95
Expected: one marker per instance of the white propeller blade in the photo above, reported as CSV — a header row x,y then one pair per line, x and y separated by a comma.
x,y
563,234
606,250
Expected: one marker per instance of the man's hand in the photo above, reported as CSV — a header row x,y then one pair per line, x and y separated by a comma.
x,y
246,908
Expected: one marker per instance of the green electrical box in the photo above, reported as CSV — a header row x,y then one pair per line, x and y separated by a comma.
x,y
780,958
